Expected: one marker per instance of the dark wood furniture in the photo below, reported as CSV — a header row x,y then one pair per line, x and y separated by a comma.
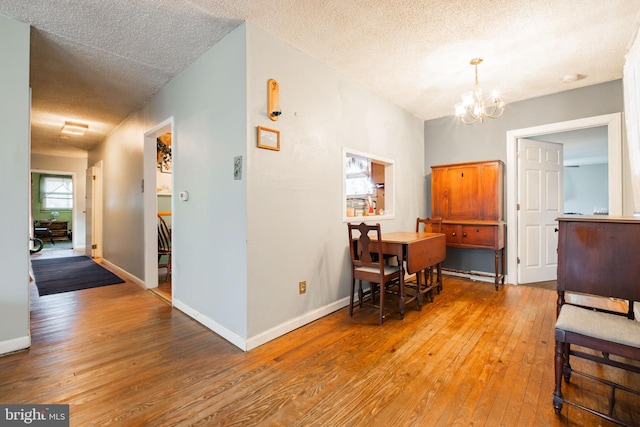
x,y
42,233
430,225
59,229
469,198
416,252
597,255
367,263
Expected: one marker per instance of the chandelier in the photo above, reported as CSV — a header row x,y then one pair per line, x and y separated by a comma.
x,y
474,106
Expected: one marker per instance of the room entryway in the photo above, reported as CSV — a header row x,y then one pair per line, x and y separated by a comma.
x,y
613,125
159,150
52,213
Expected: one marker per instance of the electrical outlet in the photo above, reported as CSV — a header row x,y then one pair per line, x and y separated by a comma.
x,y
302,286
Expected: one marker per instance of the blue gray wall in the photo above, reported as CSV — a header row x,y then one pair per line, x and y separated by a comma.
x,y
449,141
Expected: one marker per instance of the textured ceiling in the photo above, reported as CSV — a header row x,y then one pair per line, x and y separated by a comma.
x,y
96,61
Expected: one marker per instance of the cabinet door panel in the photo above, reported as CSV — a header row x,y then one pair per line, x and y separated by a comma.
x,y
462,194
492,191
438,192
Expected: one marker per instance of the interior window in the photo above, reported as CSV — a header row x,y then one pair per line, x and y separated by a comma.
x,y
368,186
56,192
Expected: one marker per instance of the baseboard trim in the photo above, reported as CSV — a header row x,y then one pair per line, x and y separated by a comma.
x,y
295,323
225,333
121,272
266,336
16,344
470,275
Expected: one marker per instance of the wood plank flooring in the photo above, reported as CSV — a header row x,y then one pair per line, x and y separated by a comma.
x,y
120,355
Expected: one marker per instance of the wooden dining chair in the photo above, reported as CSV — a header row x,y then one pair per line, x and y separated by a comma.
x,y
164,245
367,264
430,225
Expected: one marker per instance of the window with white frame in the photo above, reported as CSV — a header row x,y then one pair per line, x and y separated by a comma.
x,y
367,186
56,192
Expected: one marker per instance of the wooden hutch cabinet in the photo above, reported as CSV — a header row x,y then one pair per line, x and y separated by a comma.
x,y
469,198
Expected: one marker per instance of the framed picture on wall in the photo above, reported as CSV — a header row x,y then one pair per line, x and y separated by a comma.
x,y
163,149
268,138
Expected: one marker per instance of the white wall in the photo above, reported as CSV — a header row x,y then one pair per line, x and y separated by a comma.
x,y
122,154
78,167
241,246
14,191
586,188
208,104
295,229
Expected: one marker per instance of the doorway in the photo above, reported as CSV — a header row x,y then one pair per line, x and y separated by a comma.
x,y
613,123
158,198
52,208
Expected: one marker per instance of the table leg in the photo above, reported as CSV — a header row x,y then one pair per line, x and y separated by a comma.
x,y
401,302
503,274
497,277
419,288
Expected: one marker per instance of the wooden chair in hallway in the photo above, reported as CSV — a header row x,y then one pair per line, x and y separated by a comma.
x,y
164,245
430,225
367,263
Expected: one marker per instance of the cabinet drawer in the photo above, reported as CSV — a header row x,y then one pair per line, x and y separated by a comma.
x,y
479,235
452,232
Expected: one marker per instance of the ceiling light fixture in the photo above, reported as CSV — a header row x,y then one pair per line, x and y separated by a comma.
x,y
73,128
474,106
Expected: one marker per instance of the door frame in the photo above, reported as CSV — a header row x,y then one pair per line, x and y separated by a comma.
x,y
94,244
150,200
614,132
75,214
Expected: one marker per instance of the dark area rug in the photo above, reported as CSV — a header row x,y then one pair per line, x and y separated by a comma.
x,y
57,275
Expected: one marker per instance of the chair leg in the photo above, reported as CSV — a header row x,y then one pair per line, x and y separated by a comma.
x,y
351,297
558,365
382,292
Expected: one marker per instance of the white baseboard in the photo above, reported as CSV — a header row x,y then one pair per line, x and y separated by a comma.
x,y
225,333
266,336
120,272
16,344
295,323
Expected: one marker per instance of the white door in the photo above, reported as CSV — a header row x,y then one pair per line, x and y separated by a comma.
x,y
93,211
88,212
540,200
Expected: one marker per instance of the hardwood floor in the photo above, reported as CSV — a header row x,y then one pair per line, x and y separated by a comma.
x,y
164,285
120,355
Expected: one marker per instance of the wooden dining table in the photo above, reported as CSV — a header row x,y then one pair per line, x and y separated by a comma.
x,y
416,251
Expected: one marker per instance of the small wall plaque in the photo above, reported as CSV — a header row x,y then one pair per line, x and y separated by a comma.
x,y
268,138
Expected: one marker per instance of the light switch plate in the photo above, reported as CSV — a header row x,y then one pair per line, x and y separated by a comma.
x,y
237,167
